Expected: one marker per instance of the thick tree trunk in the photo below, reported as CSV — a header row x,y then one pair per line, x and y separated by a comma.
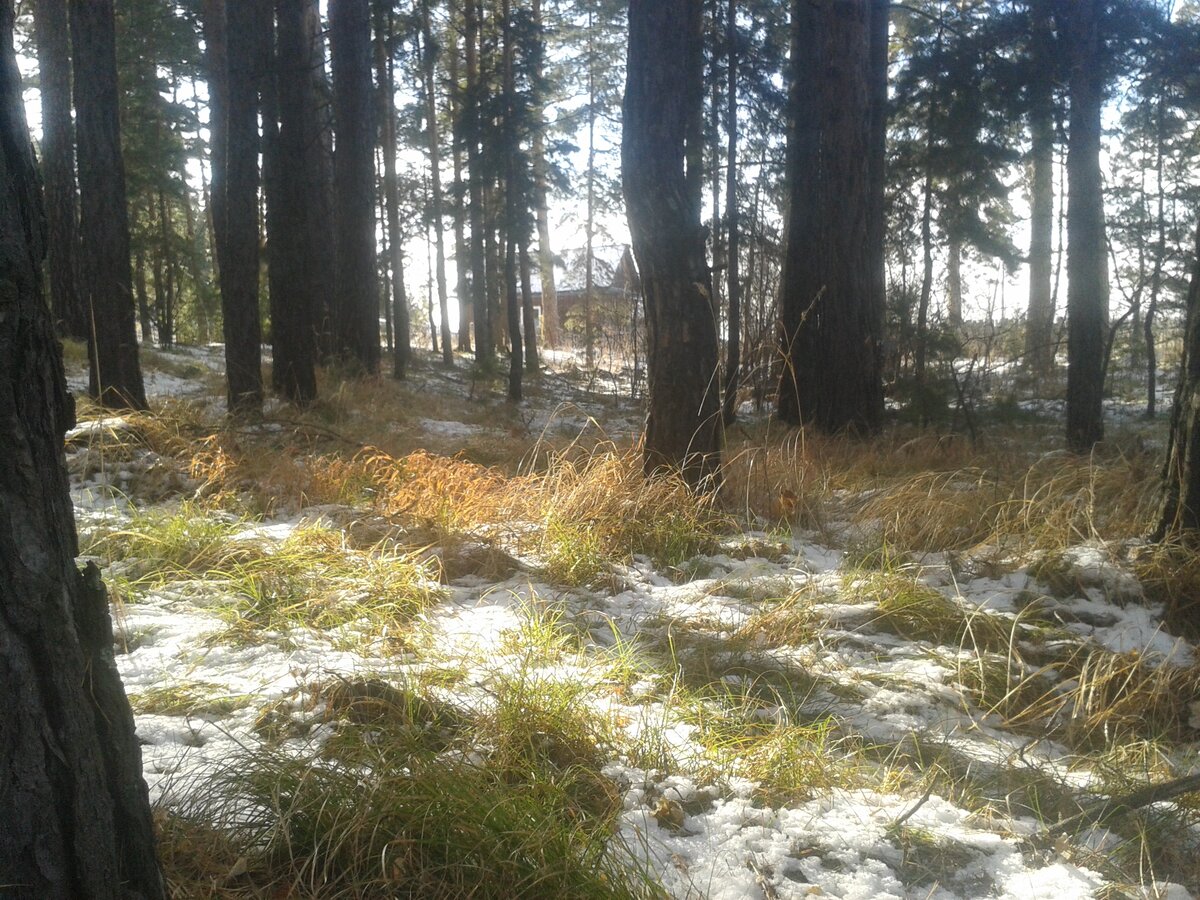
x,y
75,809
831,315
683,425
291,207
238,249
1039,323
877,161
1087,260
434,143
356,298
402,347
58,166
1179,509
115,374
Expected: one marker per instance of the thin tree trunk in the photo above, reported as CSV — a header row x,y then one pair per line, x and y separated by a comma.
x,y
402,347
433,137
115,374
142,294
1160,251
461,253
166,312
512,224
485,349
954,296
733,348
541,190
528,320
931,118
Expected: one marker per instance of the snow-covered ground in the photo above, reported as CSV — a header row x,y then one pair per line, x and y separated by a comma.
x,y
706,830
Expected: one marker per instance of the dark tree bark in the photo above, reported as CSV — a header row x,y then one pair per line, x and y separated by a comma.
x,y
1039,323
461,254
512,223
1087,248
356,297
115,374
385,75
541,191
485,349
237,249
216,62
683,425
1179,508
877,212
292,207
831,315
528,320
733,347
165,310
434,140
318,169
76,813
58,167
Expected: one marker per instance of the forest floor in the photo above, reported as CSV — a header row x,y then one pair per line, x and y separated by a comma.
x,y
416,641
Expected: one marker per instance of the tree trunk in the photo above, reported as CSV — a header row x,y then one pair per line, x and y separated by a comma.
x,y
877,162
528,320
166,310
1087,261
683,425
733,347
318,169
292,205
485,350
541,190
1179,508
512,224
830,312
954,281
76,813
1039,322
462,285
58,167
433,137
115,374
238,249
356,297
402,347
1160,252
